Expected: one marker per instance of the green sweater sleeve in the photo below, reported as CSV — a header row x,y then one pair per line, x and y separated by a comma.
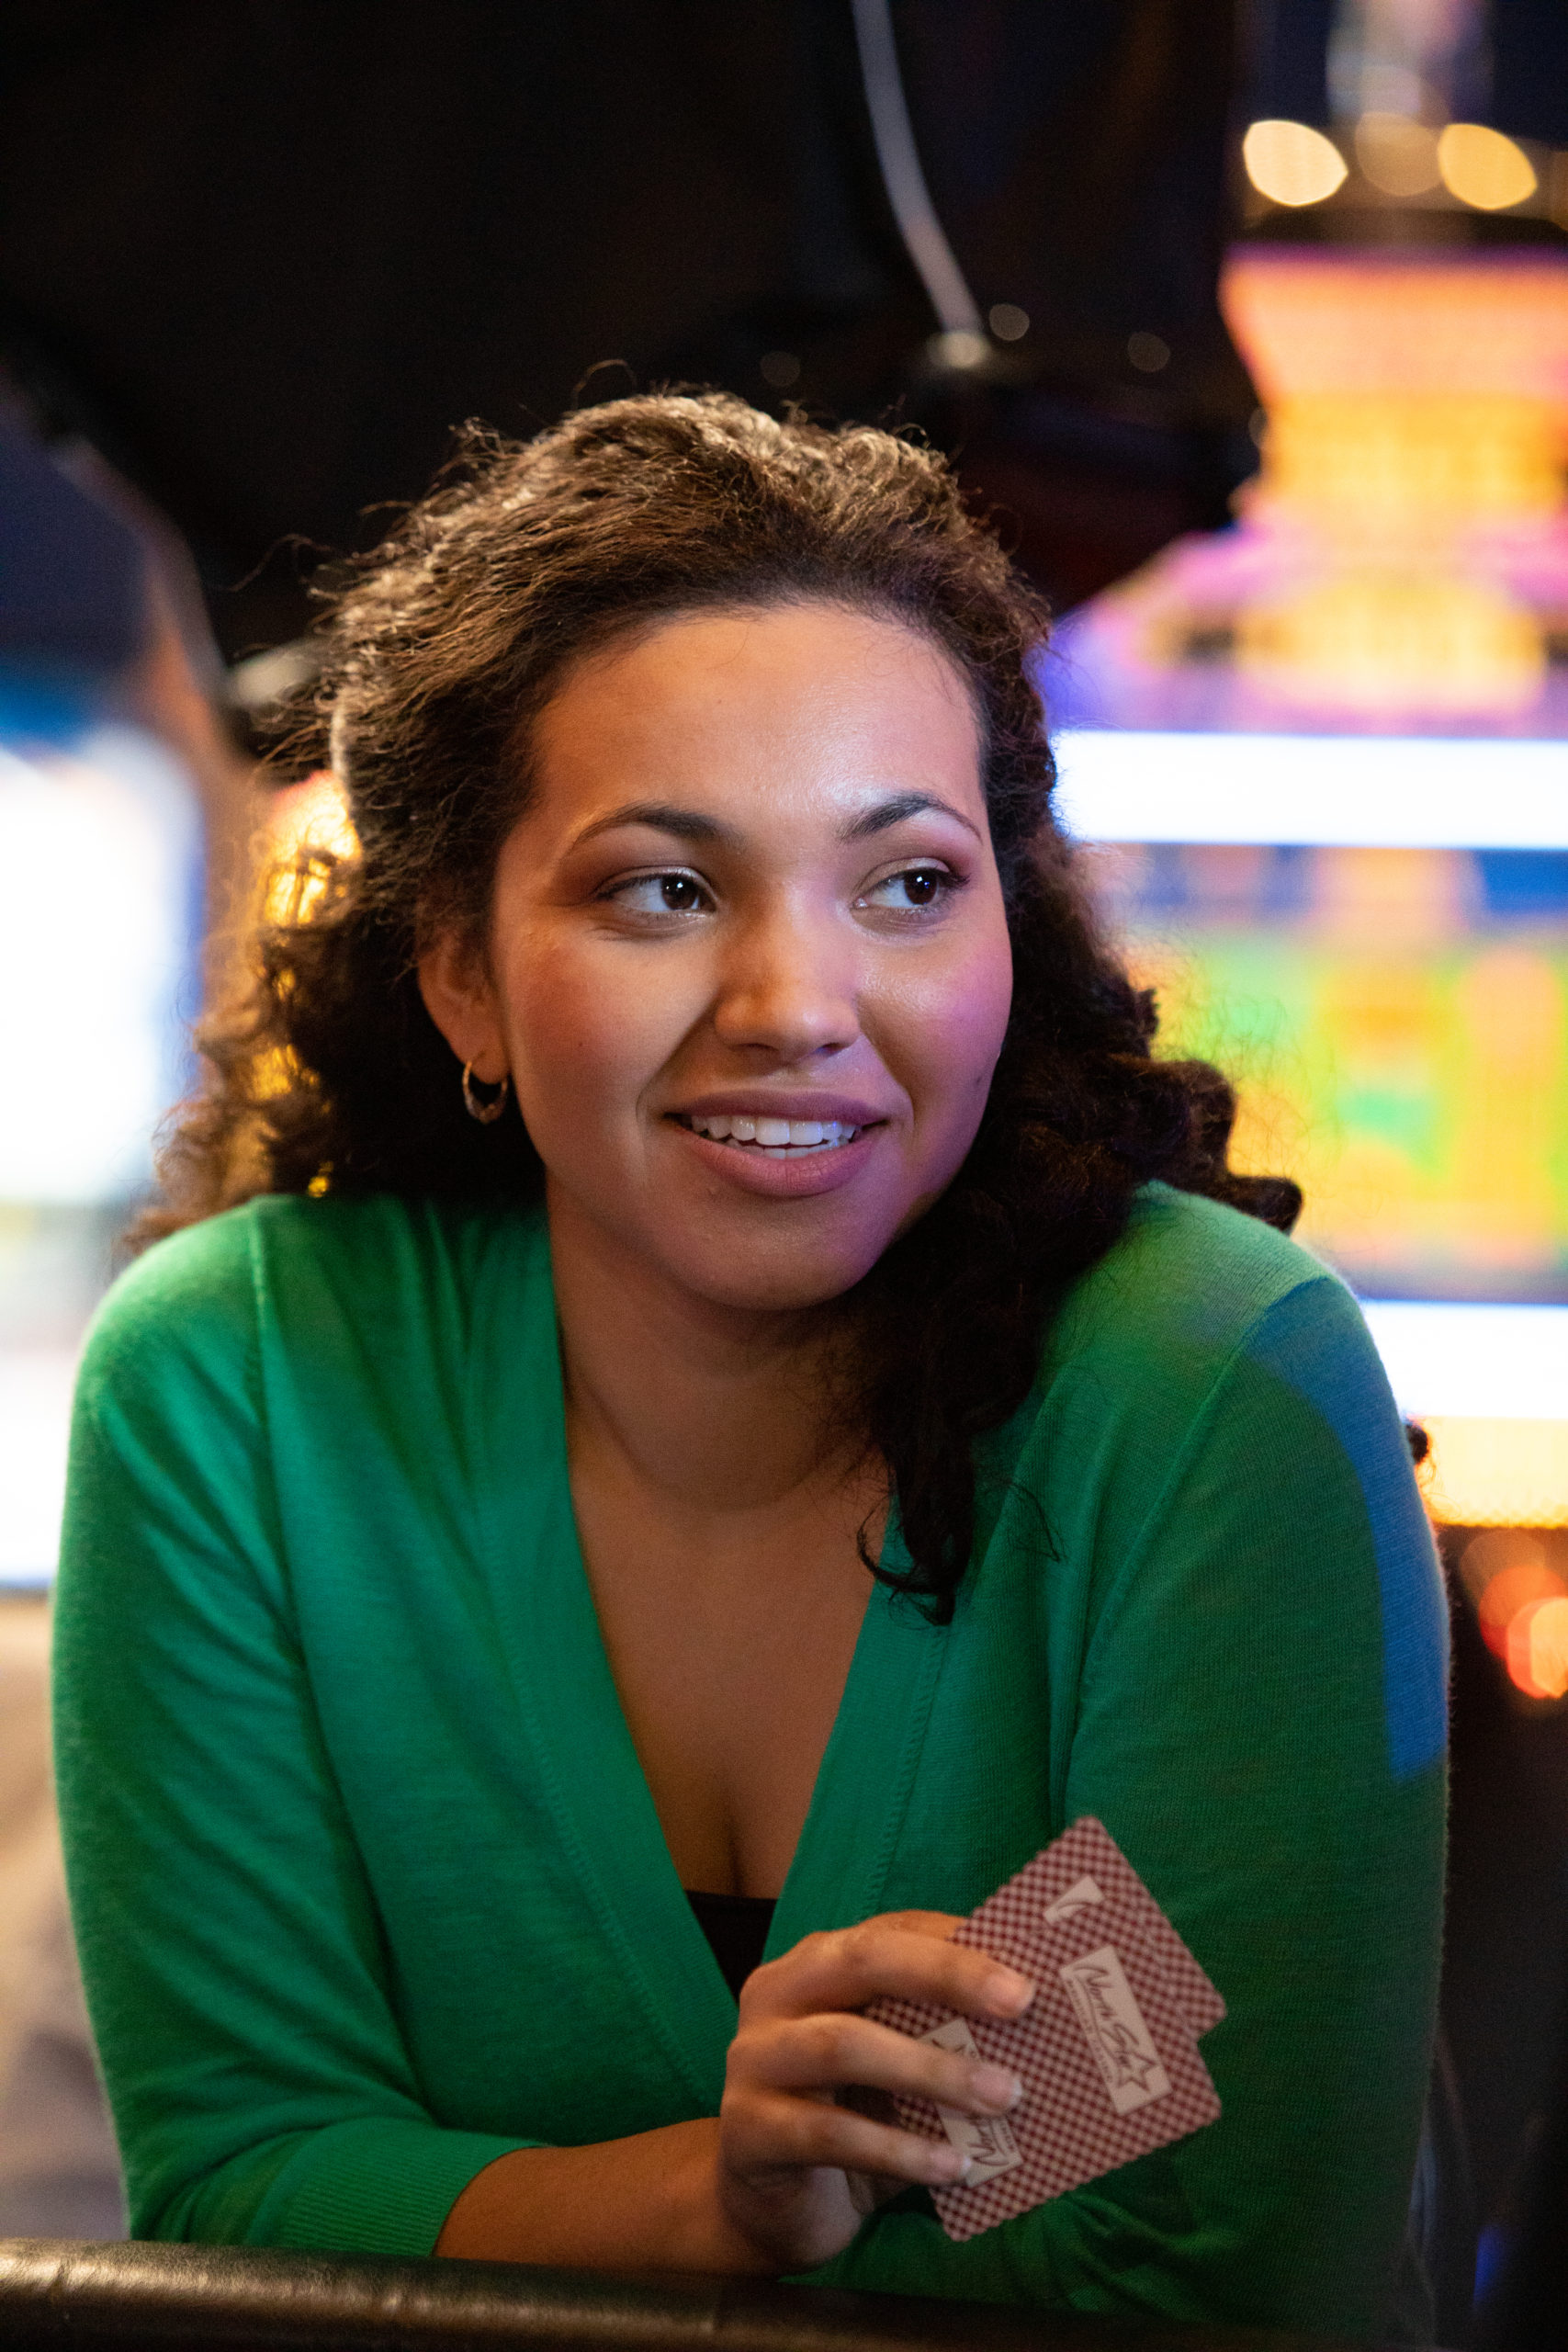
x,y
240,1993
1246,1685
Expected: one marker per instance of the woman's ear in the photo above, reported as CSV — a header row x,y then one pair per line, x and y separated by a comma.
x,y
460,996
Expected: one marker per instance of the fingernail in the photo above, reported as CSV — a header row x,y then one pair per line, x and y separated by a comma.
x,y
996,2087
950,2165
1005,1989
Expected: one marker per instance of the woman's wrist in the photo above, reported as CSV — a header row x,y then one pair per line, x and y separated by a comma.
x,y
652,2201
722,2242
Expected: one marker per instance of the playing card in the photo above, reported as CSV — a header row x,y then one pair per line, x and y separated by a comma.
x,y
1082,1868
1107,2052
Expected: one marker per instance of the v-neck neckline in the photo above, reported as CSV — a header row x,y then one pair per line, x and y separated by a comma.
x,y
586,1762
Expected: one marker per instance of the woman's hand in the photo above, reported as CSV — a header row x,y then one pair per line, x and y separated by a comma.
x,y
797,2172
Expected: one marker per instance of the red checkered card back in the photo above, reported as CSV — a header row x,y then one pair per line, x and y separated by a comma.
x,y
1106,2051
1084,1866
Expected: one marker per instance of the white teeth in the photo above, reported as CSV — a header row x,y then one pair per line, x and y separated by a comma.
x,y
774,1134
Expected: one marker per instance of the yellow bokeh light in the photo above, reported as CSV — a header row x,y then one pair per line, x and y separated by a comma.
x,y
275,1071
304,822
1381,641
312,815
1481,168
1498,1473
1366,462
1291,164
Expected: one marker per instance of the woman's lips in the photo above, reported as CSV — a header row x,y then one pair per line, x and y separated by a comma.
x,y
828,1154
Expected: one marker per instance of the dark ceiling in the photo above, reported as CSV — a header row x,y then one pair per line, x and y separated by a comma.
x,y
266,255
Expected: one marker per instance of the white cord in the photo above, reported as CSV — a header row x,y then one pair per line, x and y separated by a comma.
x,y
926,240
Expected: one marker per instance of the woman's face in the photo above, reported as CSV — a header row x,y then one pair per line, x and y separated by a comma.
x,y
748,962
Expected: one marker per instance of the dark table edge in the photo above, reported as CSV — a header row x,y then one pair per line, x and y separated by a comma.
x,y
132,2296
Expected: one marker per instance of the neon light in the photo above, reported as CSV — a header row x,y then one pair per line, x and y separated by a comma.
x,y
1474,1362
98,850
35,1425
1321,791
1497,1473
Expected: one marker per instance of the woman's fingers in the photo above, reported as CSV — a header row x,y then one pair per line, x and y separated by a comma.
x,y
800,2135
845,1968
799,2164
835,2048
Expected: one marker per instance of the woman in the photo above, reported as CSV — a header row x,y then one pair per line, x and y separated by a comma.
x,y
738,1400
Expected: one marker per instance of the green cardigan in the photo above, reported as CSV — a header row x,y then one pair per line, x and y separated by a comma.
x,y
369,1883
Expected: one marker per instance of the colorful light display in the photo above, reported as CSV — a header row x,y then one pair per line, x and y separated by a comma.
x,y
1401,562
1360,695
1397,1021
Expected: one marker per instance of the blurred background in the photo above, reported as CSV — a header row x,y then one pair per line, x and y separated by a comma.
x,y
1250,324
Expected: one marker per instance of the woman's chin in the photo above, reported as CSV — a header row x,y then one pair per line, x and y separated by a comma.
x,y
763,1273
778,1289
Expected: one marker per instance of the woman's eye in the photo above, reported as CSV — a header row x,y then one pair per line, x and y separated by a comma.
x,y
915,887
661,894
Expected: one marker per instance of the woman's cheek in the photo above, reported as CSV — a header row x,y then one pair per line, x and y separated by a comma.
x,y
952,1032
585,1042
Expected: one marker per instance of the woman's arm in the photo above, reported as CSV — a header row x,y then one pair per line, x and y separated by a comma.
x,y
783,2176
1245,1683
646,2202
263,2087
234,1958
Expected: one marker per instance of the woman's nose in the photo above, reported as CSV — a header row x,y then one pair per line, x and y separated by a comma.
x,y
787,988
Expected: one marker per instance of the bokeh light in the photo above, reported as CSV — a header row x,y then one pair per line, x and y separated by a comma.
x,y
1291,164
959,347
1536,1649
1519,1589
308,817
100,957
312,815
1488,1472
1483,168
1398,154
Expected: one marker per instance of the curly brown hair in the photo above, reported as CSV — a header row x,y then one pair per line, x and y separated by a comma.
x,y
439,652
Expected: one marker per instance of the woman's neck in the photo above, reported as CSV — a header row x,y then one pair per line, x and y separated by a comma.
x,y
720,1409
720,1523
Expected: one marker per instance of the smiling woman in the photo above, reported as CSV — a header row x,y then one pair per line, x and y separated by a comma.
x,y
831,948
714,1387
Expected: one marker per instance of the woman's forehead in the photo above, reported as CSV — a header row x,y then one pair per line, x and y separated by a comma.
x,y
795,700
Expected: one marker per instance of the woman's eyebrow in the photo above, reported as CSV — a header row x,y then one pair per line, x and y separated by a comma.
x,y
893,811
661,817
694,825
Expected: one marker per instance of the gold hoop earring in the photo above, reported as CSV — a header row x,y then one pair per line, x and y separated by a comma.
x,y
485,1113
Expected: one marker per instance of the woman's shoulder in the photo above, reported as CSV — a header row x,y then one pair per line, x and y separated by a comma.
x,y
1194,1292
1212,1393
292,1264
1188,1268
